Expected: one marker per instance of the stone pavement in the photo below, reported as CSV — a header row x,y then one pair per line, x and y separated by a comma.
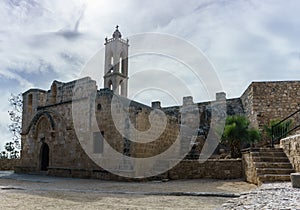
x,y
221,188
21,191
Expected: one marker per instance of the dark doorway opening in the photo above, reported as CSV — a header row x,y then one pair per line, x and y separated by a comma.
x,y
44,157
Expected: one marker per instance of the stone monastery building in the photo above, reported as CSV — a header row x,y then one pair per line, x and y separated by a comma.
x,y
66,128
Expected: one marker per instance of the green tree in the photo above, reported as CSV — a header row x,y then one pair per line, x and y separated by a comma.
x,y
3,155
15,114
237,132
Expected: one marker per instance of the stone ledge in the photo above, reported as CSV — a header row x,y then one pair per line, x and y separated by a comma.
x,y
295,178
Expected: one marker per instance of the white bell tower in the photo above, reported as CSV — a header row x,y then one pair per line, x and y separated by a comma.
x,y
116,63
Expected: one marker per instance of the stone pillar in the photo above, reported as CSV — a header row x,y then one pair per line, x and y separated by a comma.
x,y
188,100
220,96
156,105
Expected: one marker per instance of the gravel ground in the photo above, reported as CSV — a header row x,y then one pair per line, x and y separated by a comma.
x,y
279,195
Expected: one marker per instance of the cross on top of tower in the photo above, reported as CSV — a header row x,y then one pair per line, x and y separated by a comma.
x,y
117,33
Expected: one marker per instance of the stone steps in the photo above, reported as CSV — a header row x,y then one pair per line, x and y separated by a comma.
x,y
270,159
267,154
260,171
274,178
271,165
272,150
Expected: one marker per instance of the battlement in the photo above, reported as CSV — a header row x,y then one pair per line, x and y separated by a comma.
x,y
119,39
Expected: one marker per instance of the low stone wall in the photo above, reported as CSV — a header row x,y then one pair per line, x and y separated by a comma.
x,y
8,164
210,169
291,147
186,169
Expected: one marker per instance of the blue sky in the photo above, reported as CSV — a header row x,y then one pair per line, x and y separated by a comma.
x,y
246,40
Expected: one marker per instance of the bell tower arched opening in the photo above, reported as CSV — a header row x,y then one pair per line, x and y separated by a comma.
x,y
120,88
110,85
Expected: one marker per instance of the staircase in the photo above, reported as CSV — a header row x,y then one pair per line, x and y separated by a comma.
x,y
269,165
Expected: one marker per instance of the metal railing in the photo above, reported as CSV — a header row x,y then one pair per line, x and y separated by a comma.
x,y
285,127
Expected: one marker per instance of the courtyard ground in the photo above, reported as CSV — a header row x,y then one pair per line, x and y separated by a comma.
x,y
44,192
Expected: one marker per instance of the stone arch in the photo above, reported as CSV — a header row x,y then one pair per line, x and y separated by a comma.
x,y
46,127
56,125
41,141
36,118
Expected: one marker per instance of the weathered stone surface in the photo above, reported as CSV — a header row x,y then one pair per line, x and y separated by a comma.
x,y
8,164
295,178
264,101
213,169
291,147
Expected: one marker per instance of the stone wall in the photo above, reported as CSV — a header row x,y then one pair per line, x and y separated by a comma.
x,y
143,144
291,147
263,101
210,169
249,171
8,164
48,121
186,169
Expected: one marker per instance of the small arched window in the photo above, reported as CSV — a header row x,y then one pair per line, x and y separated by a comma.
x,y
30,103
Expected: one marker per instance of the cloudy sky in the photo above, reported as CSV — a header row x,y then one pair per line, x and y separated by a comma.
x,y
245,40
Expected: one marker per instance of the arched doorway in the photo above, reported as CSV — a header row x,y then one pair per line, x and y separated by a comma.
x,y
44,157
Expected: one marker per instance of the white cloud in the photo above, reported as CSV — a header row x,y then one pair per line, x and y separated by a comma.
x,y
246,40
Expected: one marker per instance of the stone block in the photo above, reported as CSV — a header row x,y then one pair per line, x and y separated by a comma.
x,y
295,178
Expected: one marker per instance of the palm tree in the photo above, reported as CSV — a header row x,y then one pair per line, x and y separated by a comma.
x,y
236,132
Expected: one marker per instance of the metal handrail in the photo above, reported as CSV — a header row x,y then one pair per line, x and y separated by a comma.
x,y
278,132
